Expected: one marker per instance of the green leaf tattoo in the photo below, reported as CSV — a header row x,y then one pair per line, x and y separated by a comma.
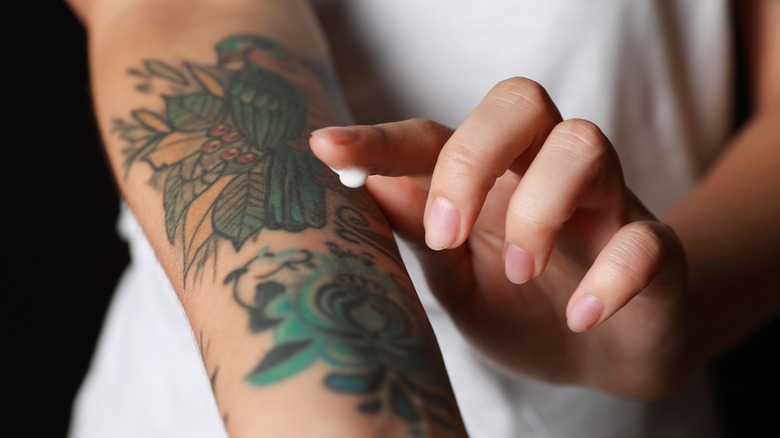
x,y
194,112
340,309
230,149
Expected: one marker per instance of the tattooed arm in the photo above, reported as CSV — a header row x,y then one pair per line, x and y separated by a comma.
x,y
305,316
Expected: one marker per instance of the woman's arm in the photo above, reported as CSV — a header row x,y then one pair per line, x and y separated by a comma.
x,y
729,224
304,314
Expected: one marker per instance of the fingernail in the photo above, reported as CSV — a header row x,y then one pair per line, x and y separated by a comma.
x,y
442,224
337,134
518,264
585,313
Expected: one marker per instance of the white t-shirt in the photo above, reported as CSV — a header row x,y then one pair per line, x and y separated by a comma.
x,y
654,75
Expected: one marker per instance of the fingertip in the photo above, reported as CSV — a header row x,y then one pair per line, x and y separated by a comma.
x,y
518,264
585,313
319,144
333,145
442,224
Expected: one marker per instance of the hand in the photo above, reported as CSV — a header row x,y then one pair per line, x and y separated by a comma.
x,y
531,240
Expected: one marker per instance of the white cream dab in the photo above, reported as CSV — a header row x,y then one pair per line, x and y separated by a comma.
x,y
352,177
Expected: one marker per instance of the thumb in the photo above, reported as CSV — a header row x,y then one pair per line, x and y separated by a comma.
x,y
403,202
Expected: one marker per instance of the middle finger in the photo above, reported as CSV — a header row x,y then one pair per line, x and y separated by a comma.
x,y
503,132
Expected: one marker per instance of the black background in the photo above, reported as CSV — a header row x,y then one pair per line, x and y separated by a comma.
x,y
65,257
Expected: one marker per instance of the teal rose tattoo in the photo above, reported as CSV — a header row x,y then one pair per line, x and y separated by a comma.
x,y
340,309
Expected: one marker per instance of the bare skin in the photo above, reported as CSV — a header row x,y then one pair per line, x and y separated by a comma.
x,y
550,265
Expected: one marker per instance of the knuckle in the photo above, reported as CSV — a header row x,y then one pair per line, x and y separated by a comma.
x,y
584,140
637,254
425,125
429,129
519,91
380,133
464,168
414,130
533,218
460,161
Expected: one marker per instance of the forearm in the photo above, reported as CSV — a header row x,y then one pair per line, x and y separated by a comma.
x,y
303,311
728,224
729,227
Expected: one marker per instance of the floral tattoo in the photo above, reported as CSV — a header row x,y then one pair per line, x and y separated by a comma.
x,y
229,152
230,148
338,308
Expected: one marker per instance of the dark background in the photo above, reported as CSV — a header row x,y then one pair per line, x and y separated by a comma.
x,y
65,257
